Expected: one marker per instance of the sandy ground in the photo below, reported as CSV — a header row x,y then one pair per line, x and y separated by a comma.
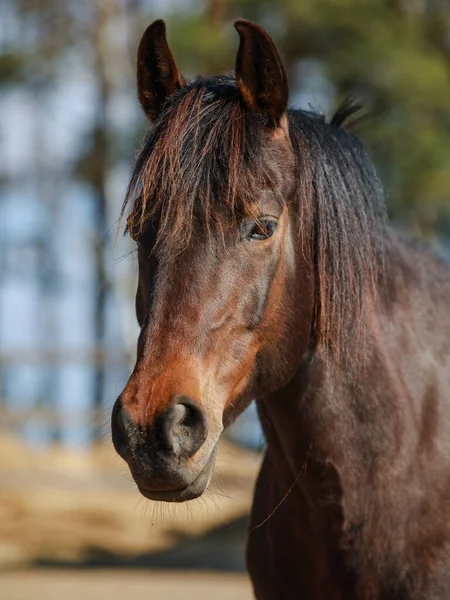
x,y
73,526
113,585
68,508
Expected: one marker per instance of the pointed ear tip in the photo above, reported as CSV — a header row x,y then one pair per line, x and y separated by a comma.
x,y
154,32
158,27
244,23
158,23
245,27
238,22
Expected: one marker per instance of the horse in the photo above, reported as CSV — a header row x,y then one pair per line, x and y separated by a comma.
x,y
268,269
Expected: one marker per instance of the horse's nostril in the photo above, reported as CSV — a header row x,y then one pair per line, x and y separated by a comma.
x,y
184,427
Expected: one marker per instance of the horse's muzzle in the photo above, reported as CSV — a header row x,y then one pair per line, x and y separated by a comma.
x,y
161,458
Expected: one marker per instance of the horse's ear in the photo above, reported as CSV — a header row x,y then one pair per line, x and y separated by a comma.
x,y
157,73
260,73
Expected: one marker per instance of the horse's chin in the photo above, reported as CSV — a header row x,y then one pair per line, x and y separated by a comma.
x,y
189,492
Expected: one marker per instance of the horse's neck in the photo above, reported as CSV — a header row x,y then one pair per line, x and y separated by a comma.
x,y
319,450
313,419
357,413
347,427
332,427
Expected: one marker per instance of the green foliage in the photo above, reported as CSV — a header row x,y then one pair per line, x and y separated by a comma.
x,y
11,66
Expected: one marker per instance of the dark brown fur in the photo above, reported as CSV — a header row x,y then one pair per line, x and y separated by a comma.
x,y
337,325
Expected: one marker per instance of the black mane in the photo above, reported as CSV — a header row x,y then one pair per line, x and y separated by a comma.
x,y
348,217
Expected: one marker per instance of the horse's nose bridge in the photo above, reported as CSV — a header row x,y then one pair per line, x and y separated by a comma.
x,y
173,329
155,384
134,398
179,300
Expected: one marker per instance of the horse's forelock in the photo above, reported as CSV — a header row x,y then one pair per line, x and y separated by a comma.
x,y
195,161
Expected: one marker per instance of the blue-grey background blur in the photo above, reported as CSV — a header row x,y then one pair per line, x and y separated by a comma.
x,y
70,125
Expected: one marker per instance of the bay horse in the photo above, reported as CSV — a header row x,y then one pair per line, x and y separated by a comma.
x,y
268,270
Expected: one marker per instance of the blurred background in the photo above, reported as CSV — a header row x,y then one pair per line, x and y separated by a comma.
x,y
71,521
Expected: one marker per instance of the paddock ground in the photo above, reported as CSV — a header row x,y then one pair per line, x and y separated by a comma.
x,y
47,584
73,527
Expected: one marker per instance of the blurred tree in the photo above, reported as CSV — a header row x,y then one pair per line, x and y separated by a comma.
x,y
50,31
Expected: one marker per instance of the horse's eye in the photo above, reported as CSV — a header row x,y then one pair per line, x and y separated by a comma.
x,y
261,229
